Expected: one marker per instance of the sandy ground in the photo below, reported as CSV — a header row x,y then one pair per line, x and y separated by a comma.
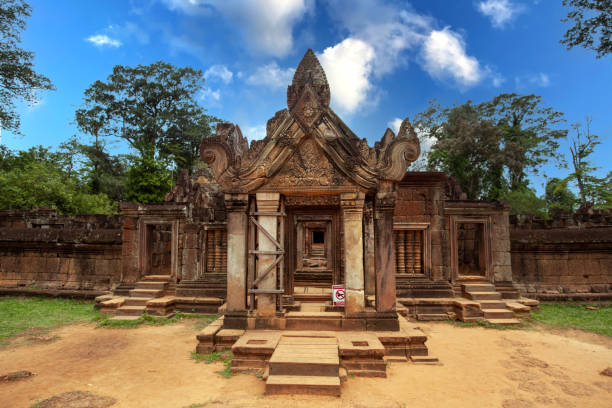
x,y
150,367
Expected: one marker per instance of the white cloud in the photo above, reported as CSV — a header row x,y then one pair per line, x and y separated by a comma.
x,y
396,35
395,125
219,71
348,66
426,141
267,24
210,95
540,80
500,12
257,132
103,40
271,75
127,31
445,57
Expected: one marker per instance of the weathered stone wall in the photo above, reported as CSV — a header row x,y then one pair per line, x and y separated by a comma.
x,y
567,254
420,199
42,249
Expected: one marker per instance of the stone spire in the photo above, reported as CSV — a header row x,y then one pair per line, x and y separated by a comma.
x,y
309,72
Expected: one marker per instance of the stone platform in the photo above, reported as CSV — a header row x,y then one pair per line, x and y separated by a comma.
x,y
314,361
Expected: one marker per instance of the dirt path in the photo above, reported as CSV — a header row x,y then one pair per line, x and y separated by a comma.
x,y
150,367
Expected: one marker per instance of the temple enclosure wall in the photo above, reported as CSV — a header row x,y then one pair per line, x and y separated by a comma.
x,y
565,255
40,249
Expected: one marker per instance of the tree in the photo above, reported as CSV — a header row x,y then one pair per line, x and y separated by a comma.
x,y
592,25
467,148
148,180
559,196
18,80
530,133
525,201
582,144
491,147
152,107
38,177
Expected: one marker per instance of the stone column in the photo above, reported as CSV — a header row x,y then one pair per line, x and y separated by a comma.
x,y
385,251
352,220
267,203
369,248
236,207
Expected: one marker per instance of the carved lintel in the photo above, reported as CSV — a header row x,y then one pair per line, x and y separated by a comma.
x,y
352,200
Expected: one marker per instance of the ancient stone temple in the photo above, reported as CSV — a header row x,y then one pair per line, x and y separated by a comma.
x,y
264,231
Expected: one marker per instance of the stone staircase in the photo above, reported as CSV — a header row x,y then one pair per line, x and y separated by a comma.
x,y
304,365
491,303
150,287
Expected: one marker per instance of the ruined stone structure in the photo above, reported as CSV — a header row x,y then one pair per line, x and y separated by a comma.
x,y
263,231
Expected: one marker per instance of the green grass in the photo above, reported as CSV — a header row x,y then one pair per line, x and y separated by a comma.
x,y
104,321
225,356
576,316
19,314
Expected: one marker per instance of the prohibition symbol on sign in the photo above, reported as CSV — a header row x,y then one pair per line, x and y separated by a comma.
x,y
338,295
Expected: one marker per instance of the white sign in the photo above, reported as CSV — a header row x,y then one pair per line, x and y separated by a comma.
x,y
338,295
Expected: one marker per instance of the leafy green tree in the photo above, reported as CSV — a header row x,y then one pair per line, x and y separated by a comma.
x,y
559,196
152,107
525,201
592,27
18,80
148,180
530,133
490,148
38,177
582,144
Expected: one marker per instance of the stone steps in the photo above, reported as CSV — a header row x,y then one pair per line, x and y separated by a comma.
x,y
477,287
498,314
135,301
157,278
483,295
304,365
130,311
153,285
296,384
146,293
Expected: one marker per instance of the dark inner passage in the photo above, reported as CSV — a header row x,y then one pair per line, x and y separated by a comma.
x,y
471,250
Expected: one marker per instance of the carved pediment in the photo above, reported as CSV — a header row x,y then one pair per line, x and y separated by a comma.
x,y
308,166
308,145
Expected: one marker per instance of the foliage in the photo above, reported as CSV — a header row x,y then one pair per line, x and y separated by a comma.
x,y
150,320
18,80
559,196
467,148
491,147
148,180
152,107
591,188
592,28
576,316
530,133
524,201
39,177
21,314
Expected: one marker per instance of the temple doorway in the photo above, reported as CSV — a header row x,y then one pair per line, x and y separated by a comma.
x,y
313,256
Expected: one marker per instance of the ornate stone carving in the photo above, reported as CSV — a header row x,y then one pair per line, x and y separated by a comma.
x,y
396,153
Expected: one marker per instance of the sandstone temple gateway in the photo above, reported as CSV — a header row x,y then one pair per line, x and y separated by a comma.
x,y
264,231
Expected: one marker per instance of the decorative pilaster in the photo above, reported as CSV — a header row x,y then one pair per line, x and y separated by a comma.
x,y
385,251
352,219
236,207
267,203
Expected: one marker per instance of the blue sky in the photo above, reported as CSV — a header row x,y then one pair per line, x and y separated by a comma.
x,y
384,59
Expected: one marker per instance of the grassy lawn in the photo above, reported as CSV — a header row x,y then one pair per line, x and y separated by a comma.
x,y
19,314
576,316
23,314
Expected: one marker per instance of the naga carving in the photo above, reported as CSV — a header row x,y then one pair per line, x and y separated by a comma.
x,y
396,153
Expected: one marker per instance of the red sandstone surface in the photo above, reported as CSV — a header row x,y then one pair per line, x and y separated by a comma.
x,y
150,367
